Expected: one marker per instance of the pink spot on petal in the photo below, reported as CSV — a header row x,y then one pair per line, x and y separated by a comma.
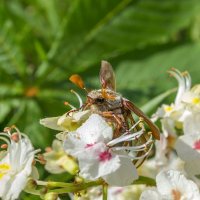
x,y
105,156
118,191
89,145
197,145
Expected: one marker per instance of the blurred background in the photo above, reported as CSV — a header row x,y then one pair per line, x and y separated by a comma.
x,y
43,42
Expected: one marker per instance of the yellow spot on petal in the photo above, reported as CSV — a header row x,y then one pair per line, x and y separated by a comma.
x,y
196,100
4,168
168,108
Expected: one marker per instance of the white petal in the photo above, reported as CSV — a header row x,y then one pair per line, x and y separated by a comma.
x,y
73,145
168,127
5,183
164,182
91,167
169,181
188,97
192,124
17,185
184,147
81,115
150,194
51,122
95,129
73,120
124,175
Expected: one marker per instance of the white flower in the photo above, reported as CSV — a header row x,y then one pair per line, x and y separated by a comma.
x,y
172,116
172,185
164,159
188,149
67,122
16,165
98,154
192,98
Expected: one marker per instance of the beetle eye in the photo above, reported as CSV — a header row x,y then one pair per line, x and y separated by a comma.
x,y
100,100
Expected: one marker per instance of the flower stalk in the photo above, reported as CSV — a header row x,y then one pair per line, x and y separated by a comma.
x,y
105,191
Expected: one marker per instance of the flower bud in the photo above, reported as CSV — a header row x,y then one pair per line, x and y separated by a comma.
x,y
31,185
51,196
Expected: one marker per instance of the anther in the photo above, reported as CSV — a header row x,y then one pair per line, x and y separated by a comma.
x,y
7,129
41,159
48,149
4,146
15,137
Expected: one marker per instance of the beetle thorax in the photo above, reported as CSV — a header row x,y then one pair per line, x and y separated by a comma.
x,y
112,101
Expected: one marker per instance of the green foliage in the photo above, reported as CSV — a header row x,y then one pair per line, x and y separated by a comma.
x,y
43,42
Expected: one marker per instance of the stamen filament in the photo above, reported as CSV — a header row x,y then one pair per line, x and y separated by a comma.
x,y
143,156
79,98
5,134
70,105
125,138
135,125
5,140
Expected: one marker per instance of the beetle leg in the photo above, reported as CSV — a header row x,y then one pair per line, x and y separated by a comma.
x,y
130,106
119,123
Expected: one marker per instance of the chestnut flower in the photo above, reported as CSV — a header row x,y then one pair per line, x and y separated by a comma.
x,y
172,116
172,185
101,156
67,122
16,165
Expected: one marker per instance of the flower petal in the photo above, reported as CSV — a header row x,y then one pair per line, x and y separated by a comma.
x,y
150,194
95,129
124,175
92,166
51,122
186,151
171,183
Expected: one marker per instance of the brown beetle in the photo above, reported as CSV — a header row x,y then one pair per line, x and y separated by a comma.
x,y
115,108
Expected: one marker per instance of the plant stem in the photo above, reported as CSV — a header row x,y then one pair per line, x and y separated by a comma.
x,y
145,180
105,191
76,187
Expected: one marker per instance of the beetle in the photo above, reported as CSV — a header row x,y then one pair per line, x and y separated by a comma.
x,y
116,109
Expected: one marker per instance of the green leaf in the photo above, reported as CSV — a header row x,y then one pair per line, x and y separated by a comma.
x,y
145,180
150,105
5,108
38,135
105,29
150,75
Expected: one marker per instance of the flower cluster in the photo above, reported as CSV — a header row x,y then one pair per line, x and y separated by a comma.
x,y
180,122
98,154
102,134
101,146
